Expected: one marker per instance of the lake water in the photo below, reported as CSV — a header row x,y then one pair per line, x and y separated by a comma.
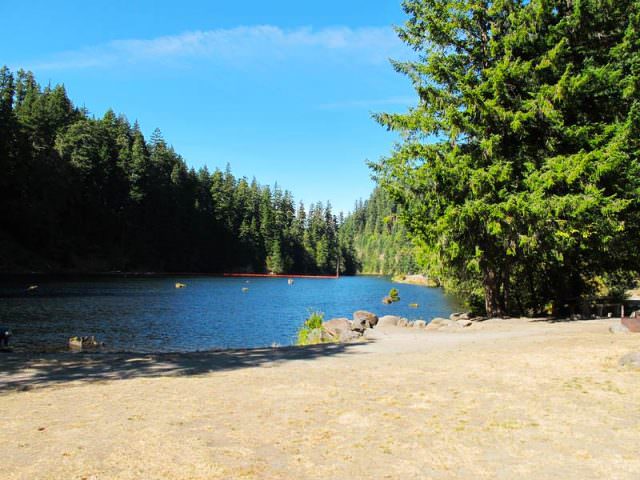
x,y
151,315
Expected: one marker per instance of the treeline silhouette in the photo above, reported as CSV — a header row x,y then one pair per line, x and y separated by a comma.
x,y
79,193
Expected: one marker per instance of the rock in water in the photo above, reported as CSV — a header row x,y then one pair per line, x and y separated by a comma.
x,y
631,360
80,343
363,320
387,300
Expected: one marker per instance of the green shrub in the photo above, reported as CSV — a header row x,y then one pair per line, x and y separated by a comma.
x,y
313,322
394,295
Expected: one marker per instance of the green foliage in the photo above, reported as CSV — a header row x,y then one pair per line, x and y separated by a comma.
x,y
313,322
379,240
394,295
518,173
78,192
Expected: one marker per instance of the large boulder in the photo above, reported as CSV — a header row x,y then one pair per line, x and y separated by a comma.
x,y
388,321
460,316
348,336
336,326
363,320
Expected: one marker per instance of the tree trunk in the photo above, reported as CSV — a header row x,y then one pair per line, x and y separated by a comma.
x,y
492,300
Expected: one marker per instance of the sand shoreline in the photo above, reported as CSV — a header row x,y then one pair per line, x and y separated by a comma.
x,y
500,399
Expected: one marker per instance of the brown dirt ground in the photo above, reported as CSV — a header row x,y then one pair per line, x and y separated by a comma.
x,y
502,399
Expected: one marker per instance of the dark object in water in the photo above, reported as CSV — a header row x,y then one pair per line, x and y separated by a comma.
x,y
632,322
79,343
5,333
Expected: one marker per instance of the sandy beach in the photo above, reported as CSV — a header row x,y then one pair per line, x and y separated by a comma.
x,y
501,399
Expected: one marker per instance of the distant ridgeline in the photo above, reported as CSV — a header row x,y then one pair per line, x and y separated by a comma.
x,y
84,194
380,240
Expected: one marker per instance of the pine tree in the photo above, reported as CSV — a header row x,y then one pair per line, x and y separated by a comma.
x,y
511,166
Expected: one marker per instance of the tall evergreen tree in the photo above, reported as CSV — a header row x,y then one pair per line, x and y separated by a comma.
x,y
515,174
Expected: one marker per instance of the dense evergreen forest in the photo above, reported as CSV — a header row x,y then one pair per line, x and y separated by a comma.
x,y
379,238
84,194
518,172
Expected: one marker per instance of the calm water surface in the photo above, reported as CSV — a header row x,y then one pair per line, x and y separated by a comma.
x,y
150,314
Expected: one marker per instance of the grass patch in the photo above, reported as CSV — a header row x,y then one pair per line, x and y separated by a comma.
x,y
314,322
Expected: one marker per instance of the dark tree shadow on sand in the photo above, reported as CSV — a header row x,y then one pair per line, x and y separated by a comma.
x,y
21,371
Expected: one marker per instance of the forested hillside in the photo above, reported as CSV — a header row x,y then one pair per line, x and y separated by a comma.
x,y
79,193
380,240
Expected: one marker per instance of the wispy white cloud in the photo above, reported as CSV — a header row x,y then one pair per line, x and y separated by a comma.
x,y
239,46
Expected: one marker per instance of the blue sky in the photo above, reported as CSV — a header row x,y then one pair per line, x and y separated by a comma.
x,y
281,90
